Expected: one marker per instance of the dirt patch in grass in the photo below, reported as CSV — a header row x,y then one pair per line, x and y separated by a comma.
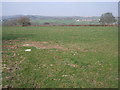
x,y
52,45
10,44
42,45
13,44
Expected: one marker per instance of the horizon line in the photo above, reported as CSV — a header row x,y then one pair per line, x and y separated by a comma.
x,y
59,0
50,15
53,16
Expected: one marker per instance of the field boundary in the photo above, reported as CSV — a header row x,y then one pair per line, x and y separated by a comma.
x,y
62,25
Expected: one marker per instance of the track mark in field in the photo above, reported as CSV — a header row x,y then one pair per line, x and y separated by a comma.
x,y
10,44
51,45
42,45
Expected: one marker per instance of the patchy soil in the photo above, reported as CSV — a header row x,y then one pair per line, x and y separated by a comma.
x,y
13,66
13,44
42,45
51,45
10,44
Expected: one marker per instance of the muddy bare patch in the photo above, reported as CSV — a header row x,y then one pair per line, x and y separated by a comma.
x,y
52,45
10,44
42,45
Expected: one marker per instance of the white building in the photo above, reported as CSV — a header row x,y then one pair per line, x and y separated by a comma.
x,y
77,20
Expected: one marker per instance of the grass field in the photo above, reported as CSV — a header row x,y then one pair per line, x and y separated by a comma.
x,y
61,57
63,21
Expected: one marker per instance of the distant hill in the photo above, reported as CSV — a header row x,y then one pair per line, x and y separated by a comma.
x,y
40,20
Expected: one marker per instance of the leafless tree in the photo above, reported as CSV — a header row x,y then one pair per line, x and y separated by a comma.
x,y
24,21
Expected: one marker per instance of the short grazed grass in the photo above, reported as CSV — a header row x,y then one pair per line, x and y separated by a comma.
x,y
67,57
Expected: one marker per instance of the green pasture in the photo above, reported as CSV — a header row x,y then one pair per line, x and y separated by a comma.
x,y
60,57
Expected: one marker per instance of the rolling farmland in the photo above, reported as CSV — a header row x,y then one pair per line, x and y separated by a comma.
x,y
68,57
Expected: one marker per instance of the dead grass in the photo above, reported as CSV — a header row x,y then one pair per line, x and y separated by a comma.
x,y
42,45
12,44
51,45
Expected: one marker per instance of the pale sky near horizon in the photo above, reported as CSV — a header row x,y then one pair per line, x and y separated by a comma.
x,y
59,8
59,0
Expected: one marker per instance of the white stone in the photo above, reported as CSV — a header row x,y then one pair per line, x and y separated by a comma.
x,y
28,50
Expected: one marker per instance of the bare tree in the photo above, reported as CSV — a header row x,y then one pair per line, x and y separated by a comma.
x,y
24,21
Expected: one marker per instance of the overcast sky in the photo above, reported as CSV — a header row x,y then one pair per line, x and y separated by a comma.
x,y
59,8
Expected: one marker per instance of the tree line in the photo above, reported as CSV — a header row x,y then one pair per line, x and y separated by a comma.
x,y
22,21
105,19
